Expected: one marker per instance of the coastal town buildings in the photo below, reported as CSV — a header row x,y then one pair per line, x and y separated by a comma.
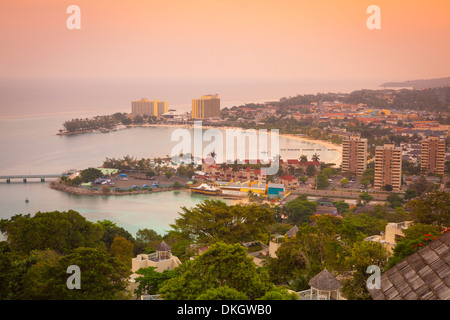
x,y
288,181
208,106
149,108
433,155
354,155
388,167
290,164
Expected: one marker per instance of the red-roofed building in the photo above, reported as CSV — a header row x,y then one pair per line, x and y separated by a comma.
x,y
287,164
288,181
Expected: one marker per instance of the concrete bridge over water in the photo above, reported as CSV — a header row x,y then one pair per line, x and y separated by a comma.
x,y
26,177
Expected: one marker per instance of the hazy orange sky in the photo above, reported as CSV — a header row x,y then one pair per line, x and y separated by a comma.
x,y
225,39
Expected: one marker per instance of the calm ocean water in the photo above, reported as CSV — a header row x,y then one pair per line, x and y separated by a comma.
x,y
30,119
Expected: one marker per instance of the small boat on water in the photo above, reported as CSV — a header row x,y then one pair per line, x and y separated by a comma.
x,y
205,189
27,200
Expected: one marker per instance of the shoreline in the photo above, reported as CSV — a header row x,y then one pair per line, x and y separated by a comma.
x,y
56,185
323,143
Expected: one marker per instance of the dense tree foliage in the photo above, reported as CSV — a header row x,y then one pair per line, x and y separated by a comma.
x,y
58,231
150,281
90,174
122,249
220,265
214,220
362,255
147,240
111,230
299,210
434,209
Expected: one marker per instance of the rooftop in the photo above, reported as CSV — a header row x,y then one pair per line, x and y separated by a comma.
x,y
325,281
163,247
424,275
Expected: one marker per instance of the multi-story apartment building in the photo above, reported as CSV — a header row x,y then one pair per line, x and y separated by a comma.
x,y
354,155
206,107
388,166
150,108
433,155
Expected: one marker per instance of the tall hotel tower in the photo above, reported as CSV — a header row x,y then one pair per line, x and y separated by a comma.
x,y
206,107
149,108
388,166
354,155
433,155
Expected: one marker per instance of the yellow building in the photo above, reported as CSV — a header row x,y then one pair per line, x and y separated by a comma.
x,y
206,107
150,108
385,112
242,188
393,233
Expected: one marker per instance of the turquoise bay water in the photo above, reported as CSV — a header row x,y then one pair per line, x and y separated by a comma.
x,y
154,211
30,146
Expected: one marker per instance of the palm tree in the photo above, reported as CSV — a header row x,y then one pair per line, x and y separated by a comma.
x,y
303,158
315,157
235,166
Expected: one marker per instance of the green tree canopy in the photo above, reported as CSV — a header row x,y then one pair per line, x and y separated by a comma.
x,y
213,220
362,255
59,231
365,197
303,256
147,240
311,170
434,209
103,277
122,249
150,280
222,293
299,210
90,174
43,276
111,230
410,194
221,265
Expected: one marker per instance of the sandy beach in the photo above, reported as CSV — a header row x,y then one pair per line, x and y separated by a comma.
x,y
326,144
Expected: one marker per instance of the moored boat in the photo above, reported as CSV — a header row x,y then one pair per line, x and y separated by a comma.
x,y
205,189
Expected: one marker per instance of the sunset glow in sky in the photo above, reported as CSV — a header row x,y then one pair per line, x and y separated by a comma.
x,y
226,39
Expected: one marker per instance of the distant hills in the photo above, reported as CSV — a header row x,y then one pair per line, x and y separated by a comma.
x,y
419,84
426,99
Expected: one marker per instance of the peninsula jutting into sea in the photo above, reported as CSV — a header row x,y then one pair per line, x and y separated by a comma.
x,y
231,153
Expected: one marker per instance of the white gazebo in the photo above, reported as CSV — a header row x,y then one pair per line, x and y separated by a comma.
x,y
324,286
